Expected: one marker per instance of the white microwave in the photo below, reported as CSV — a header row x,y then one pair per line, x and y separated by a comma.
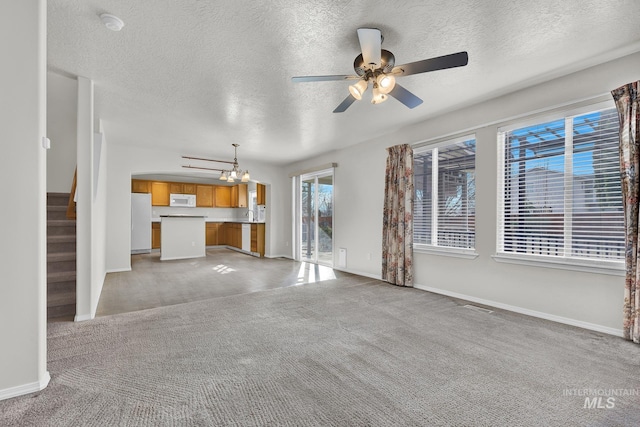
x,y
182,200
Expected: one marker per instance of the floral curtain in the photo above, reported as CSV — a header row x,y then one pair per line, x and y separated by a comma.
x,y
397,225
626,98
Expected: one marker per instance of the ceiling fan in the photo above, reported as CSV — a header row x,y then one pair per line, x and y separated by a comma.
x,y
377,66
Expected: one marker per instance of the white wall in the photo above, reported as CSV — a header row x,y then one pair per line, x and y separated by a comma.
x,y
91,206
23,312
124,160
62,106
99,223
587,299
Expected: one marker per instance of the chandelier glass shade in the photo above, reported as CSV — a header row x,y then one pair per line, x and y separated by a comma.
x,y
228,175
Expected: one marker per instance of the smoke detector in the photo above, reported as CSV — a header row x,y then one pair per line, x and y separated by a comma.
x,y
112,22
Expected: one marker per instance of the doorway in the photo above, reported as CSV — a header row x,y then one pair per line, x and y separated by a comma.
x,y
315,218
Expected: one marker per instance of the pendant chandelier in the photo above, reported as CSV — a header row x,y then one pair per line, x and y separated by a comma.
x,y
228,175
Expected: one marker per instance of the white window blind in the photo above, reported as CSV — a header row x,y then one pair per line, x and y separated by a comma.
x,y
444,205
561,188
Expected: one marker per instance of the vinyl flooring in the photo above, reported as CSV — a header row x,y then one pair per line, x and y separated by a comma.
x,y
223,272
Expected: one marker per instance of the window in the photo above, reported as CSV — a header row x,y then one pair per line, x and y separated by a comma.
x,y
445,199
560,188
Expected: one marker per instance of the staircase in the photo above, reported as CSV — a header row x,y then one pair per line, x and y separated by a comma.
x,y
61,258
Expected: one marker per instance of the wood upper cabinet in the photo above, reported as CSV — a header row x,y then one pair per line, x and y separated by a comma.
x,y
204,196
188,188
261,194
223,196
239,196
140,186
234,196
176,188
159,193
242,196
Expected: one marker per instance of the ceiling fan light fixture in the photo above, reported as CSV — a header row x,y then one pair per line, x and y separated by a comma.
x,y
223,176
378,96
386,83
358,89
245,176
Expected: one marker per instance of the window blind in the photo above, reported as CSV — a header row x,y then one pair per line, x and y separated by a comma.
x,y
444,206
561,188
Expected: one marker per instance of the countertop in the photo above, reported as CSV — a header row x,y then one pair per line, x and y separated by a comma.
x,y
207,219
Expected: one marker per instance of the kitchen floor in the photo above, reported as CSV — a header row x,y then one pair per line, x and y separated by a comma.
x,y
154,283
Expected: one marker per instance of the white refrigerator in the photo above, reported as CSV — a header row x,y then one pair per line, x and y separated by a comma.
x,y
140,223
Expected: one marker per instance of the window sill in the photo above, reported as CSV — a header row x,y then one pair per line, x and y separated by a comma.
x,y
613,268
445,251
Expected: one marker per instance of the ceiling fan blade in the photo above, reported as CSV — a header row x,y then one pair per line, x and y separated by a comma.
x,y
453,60
370,45
345,104
404,96
303,79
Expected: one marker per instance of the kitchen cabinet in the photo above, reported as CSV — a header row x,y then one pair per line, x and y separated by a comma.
x,y
188,188
261,194
239,196
155,235
222,233
175,188
223,196
212,230
140,186
204,196
257,238
234,234
159,193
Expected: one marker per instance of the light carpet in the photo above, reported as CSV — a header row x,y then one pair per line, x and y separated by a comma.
x,y
347,352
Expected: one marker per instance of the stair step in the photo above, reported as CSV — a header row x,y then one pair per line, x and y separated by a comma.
x,y
67,310
61,276
57,227
56,212
61,266
57,199
61,223
63,238
61,298
56,287
61,256
61,243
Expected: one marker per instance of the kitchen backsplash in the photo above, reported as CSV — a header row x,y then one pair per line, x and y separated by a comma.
x,y
223,214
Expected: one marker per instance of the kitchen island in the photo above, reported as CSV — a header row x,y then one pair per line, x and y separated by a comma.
x,y
182,236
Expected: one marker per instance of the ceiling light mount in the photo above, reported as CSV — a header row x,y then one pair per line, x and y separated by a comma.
x,y
112,22
228,175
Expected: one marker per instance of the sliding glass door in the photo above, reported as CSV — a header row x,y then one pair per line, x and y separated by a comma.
x,y
315,218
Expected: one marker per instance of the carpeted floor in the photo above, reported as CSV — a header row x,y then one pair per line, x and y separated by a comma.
x,y
345,352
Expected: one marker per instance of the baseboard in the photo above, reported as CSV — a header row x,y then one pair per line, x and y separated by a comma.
x,y
119,270
83,317
525,311
278,256
359,273
21,390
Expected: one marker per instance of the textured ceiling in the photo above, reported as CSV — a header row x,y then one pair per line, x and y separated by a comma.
x,y
198,75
